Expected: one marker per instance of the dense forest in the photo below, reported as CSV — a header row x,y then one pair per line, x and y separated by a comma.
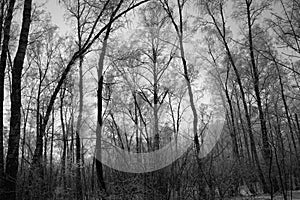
x,y
150,99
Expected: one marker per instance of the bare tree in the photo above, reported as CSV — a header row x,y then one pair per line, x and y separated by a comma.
x,y
178,26
3,59
12,160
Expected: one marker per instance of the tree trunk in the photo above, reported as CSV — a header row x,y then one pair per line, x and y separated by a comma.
x,y
12,161
298,128
179,31
243,128
136,122
25,113
64,139
4,50
266,146
233,134
99,167
51,153
1,18
155,107
78,127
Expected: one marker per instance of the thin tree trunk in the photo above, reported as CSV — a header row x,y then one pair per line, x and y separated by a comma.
x,y
1,18
12,160
298,127
71,154
78,127
179,31
51,152
25,113
39,135
266,146
243,129
281,145
84,186
64,138
280,163
136,121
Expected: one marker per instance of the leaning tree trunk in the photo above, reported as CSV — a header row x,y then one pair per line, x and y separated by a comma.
x,y
12,160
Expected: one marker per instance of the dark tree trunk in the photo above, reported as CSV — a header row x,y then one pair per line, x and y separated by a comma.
x,y
64,138
51,152
1,18
264,133
233,133
12,161
99,167
243,128
4,50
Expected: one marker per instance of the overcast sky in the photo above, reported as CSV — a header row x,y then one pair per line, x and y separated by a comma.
x,y
57,13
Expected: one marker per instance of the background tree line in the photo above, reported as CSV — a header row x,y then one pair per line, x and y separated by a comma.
x,y
139,73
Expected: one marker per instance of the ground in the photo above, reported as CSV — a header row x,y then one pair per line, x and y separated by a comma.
x,y
295,196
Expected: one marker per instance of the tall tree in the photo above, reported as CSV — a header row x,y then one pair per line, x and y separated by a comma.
x,y
99,166
3,59
12,160
251,18
179,28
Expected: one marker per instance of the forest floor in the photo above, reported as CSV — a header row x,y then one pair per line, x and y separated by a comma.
x,y
295,196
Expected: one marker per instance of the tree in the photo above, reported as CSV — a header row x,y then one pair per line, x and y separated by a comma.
x,y
153,49
12,159
179,28
251,17
3,59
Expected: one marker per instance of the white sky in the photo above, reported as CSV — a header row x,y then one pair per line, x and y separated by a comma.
x,y
57,14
